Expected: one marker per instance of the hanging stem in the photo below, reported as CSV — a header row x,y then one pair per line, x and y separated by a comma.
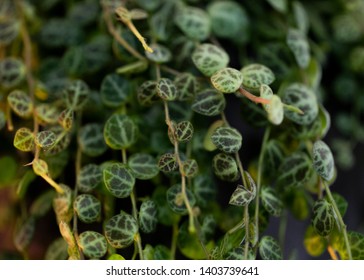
x,y
332,253
341,222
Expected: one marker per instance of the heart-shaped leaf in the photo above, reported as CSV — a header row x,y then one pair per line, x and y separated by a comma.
x,y
271,202
45,139
92,244
120,230
143,166
118,179
269,249
186,85
225,167
166,89
323,160
24,139
323,219
184,131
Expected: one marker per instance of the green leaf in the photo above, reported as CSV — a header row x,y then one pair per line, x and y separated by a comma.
x,y
87,207
301,17
57,250
148,216
160,54
271,201
209,102
279,5
65,119
323,160
20,103
227,139
209,59
341,203
204,189
120,230
114,90
24,139
116,257
24,234
47,114
120,132
235,254
9,30
356,241
12,72
256,75
175,199
92,244
346,28
40,167
184,131
269,249
143,166
298,44
118,179
165,214
295,171
62,142
186,85
190,168
89,178
147,93
76,95
314,244
62,205
45,139
273,157
227,80
225,167
42,204
244,195
133,68
275,110
166,89
323,220
167,162
302,97
194,23
91,139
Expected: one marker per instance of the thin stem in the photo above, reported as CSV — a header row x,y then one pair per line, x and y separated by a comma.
x,y
174,240
50,181
139,244
332,253
137,239
252,97
282,230
124,156
341,222
170,70
247,236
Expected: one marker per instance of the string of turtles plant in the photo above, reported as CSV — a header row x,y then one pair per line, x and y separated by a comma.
x,y
134,137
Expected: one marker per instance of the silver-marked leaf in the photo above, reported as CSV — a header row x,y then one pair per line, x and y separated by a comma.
x,y
295,170
186,85
160,54
65,119
114,90
209,59
148,216
227,80
227,139
208,227
76,94
91,139
229,20
302,97
255,75
271,201
12,72
120,132
120,230
147,93
143,166
24,139
209,102
175,199
57,250
20,103
9,28
342,204
184,131
62,205
40,167
207,142
301,17
62,142
279,5
323,219
45,139
269,249
204,188
241,196
87,207
298,44
42,204
118,179
190,168
225,167
267,93
275,110
235,254
47,114
24,235
89,178
92,244
346,28
194,23
166,89
167,162
356,241
323,160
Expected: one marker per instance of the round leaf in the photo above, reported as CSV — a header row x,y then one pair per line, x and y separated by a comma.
x,y
12,72
323,219
166,89
120,132
147,93
114,90
175,199
118,179
227,80
225,167
24,139
92,244
227,139
24,234
186,85
148,216
87,207
143,166
314,244
40,167
89,178
190,168
298,44
241,196
209,102
209,59
20,103
323,160
269,249
160,54
167,162
45,139
120,230
271,202
65,119
184,131
255,75
47,114
76,94
275,110
91,140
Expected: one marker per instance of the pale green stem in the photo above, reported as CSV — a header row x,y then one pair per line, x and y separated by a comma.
x,y
341,222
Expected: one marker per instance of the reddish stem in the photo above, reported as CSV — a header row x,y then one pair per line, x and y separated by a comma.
x,y
252,97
